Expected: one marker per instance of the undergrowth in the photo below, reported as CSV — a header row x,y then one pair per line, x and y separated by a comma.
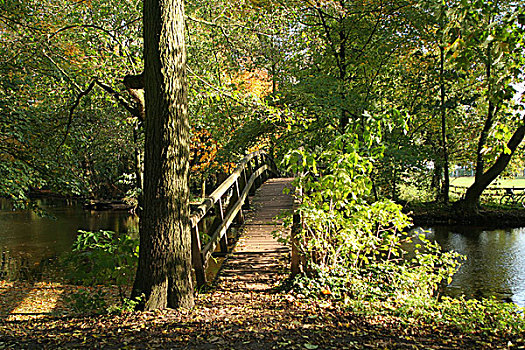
x,y
354,248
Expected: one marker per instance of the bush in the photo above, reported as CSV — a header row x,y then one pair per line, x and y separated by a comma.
x,y
488,316
85,302
354,250
352,243
102,257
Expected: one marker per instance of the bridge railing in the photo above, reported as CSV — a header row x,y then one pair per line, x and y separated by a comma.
x,y
226,204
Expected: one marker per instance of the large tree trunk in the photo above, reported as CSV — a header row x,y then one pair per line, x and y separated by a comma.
x,y
471,201
164,274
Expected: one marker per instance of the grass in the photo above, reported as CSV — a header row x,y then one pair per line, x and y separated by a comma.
x,y
414,195
467,181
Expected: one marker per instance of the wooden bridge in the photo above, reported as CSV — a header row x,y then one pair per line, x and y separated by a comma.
x,y
257,251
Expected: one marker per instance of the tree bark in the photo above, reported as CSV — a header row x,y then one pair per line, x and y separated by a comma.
x,y
446,170
138,155
135,86
471,201
164,273
480,163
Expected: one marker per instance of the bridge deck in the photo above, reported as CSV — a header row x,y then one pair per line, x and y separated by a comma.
x,y
258,258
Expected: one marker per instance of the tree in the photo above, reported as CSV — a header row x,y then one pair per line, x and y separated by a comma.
x,y
164,276
492,33
58,128
459,93
430,91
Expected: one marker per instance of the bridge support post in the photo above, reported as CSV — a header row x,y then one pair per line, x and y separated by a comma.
x,y
196,255
268,161
248,175
224,244
239,218
220,218
297,263
258,181
243,181
295,267
264,175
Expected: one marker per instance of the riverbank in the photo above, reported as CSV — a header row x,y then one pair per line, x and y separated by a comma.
x,y
228,316
489,217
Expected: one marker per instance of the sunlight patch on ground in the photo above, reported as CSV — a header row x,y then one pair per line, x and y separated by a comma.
x,y
43,297
18,300
26,300
467,181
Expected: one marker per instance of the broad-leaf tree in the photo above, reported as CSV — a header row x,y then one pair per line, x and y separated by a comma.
x,y
164,273
490,42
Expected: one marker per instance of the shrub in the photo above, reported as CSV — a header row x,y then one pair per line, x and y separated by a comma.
x,y
352,243
85,302
102,257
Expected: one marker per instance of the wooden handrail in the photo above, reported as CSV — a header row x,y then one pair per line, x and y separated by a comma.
x,y
227,202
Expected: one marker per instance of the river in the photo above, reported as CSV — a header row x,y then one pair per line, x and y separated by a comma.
x,y
27,239
495,264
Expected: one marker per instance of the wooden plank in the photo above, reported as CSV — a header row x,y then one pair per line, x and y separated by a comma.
x,y
255,264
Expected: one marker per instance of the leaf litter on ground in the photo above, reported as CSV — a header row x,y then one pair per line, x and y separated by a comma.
x,y
221,319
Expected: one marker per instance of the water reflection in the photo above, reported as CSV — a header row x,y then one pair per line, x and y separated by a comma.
x,y
26,239
495,264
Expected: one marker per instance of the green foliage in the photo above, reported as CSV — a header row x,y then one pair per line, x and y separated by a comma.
x,y
489,316
50,52
127,305
102,257
354,245
358,253
87,302
415,192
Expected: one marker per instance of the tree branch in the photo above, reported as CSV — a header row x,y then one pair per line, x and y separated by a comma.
x,y
216,25
222,92
72,109
121,100
8,19
134,110
92,26
61,71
